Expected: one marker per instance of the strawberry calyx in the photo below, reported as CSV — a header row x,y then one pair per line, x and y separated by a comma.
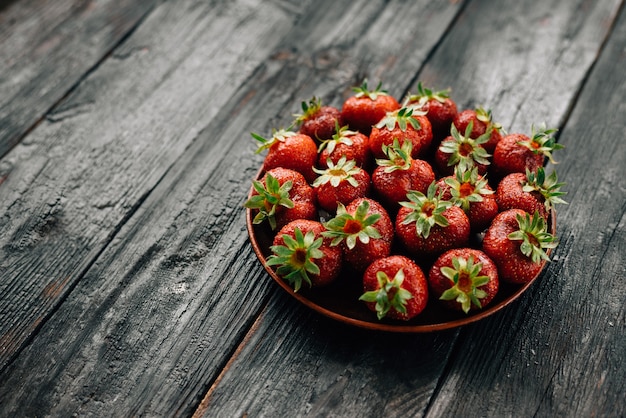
x,y
467,187
466,279
533,232
348,227
363,90
464,151
542,142
277,136
423,95
270,196
342,136
309,109
398,157
344,170
548,187
485,116
389,295
402,117
427,209
295,258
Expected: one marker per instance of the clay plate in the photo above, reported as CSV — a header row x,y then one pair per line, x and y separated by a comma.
x,y
339,301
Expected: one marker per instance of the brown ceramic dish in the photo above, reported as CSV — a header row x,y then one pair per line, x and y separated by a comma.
x,y
339,301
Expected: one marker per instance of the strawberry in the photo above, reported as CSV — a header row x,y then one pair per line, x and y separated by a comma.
x,y
395,287
464,279
407,123
439,107
482,122
340,183
318,121
530,192
395,176
354,145
304,256
472,193
364,230
462,151
283,195
366,108
517,243
428,225
516,153
291,150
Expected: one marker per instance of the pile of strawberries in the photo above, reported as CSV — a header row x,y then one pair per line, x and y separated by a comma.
x,y
421,201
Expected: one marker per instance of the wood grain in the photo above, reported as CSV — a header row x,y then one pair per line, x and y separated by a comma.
x,y
273,373
151,309
47,48
572,325
82,173
129,287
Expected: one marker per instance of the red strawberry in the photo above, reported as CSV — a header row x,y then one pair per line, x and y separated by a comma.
x,y
472,193
364,230
340,183
283,195
289,150
428,225
303,255
366,108
354,145
439,107
516,153
462,151
530,192
482,122
516,242
395,287
318,121
464,279
404,124
400,173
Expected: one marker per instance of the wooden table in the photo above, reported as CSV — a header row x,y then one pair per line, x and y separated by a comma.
x,y
128,284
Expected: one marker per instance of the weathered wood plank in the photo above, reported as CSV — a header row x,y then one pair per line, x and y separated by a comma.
x,y
78,177
291,376
525,61
299,364
160,311
46,48
564,351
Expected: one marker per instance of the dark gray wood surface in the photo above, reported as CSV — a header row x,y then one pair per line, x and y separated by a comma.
x,y
127,282
47,48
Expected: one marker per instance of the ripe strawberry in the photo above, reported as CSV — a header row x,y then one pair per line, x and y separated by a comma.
x,y
395,176
354,145
464,279
395,287
289,150
318,121
516,242
472,193
364,230
340,183
403,124
366,108
283,195
439,107
462,151
428,225
530,192
516,153
303,255
482,121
